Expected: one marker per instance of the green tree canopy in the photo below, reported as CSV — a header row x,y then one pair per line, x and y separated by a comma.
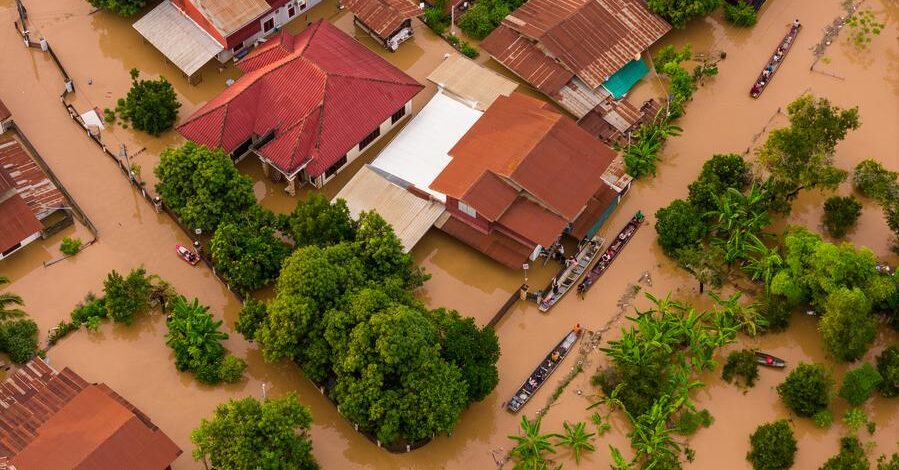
x,y
195,338
873,180
888,368
248,434
719,173
473,350
806,390
740,14
679,226
316,221
119,7
772,446
840,214
18,338
859,383
126,297
151,105
202,186
848,328
680,12
246,249
851,457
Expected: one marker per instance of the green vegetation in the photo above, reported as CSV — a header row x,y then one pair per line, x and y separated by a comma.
x,y
126,297
18,338
9,303
202,186
689,421
195,338
468,50
679,226
642,155
854,419
851,457
577,439
807,389
840,214
119,7
773,446
863,26
246,249
719,173
891,464
485,15
248,434
344,312
150,106
823,419
741,363
888,368
70,246
872,180
532,447
250,317
680,12
740,14
859,383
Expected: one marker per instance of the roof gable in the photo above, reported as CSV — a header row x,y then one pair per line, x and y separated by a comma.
x,y
383,16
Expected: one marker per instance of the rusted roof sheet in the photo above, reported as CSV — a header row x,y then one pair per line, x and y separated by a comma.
x,y
466,79
4,112
383,16
321,92
228,16
592,38
522,56
16,222
522,140
495,245
491,195
58,420
533,222
35,187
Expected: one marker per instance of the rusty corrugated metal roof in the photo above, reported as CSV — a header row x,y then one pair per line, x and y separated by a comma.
x,y
591,38
522,56
228,16
30,181
4,112
495,245
383,16
321,92
16,222
460,76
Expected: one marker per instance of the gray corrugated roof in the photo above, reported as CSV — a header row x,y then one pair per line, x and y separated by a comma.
x,y
181,40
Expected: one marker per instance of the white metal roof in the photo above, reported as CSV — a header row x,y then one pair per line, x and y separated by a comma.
x,y
421,150
181,40
409,214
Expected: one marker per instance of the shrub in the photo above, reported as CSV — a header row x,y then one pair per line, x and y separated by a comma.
x,y
18,338
891,464
91,307
468,50
679,226
436,19
851,456
859,383
126,297
743,364
690,421
62,329
775,309
854,419
740,14
773,446
119,7
70,246
888,367
876,182
150,106
806,390
840,214
823,419
231,369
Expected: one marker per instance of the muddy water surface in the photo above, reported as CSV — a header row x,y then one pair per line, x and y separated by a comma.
x,y
135,361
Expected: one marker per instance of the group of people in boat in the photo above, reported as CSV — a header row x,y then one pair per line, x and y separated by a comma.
x,y
765,77
544,370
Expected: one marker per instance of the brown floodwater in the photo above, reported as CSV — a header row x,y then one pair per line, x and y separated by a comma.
x,y
101,48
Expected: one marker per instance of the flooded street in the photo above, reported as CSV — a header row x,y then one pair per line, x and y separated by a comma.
x,y
100,48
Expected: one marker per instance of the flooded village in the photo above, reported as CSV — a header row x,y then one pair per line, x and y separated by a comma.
x,y
478,165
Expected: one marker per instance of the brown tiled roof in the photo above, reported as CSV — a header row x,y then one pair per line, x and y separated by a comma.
x,y
383,16
495,245
58,420
491,195
35,187
4,112
16,222
531,147
522,56
592,38
533,222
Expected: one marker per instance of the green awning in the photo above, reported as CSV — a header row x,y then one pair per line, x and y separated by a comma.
x,y
625,78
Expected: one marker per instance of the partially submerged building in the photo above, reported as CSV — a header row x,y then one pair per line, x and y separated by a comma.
x,y
387,21
306,106
584,54
190,33
57,420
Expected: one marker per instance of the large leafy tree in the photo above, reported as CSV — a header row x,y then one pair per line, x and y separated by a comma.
x,y
840,214
246,249
125,297
18,338
680,12
851,457
859,383
719,173
888,368
119,7
806,390
248,434
473,350
801,156
873,180
201,185
315,221
679,226
772,446
848,328
9,303
150,106
195,338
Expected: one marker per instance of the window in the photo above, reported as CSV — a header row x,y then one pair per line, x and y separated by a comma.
x,y
398,115
291,11
268,25
237,47
302,4
370,138
468,210
241,149
336,166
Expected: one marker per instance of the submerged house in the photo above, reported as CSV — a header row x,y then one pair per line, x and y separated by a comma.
x,y
191,32
56,420
306,106
584,54
387,21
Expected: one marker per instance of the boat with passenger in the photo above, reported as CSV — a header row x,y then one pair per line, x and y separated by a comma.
x,y
618,243
575,267
768,360
546,368
775,61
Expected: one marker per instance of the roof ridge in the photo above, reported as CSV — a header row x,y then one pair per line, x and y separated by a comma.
x,y
378,80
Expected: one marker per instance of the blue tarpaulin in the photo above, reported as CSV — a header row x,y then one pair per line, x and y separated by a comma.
x,y
625,78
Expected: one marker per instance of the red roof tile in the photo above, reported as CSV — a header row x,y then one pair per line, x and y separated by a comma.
x,y
592,39
16,222
320,91
383,16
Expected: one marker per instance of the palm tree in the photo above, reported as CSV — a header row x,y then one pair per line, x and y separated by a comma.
x,y
618,461
764,265
577,438
739,216
651,437
194,335
530,449
6,300
746,317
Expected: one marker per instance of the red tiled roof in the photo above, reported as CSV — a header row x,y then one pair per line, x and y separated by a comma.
x,y
4,112
58,420
531,147
383,16
522,56
29,179
320,91
16,222
591,38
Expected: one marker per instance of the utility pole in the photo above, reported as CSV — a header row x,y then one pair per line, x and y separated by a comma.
x,y
123,152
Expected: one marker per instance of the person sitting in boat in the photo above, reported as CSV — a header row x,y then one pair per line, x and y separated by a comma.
x,y
606,256
532,382
554,356
577,328
796,24
766,73
755,89
571,261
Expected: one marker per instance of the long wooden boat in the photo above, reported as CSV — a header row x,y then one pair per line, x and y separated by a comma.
x,y
568,276
775,61
618,243
768,360
544,370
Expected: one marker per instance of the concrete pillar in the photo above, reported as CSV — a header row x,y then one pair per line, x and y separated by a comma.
x,y
291,187
266,169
